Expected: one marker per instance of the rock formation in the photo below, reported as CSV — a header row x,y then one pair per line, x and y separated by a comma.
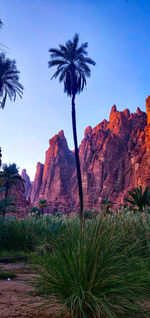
x,y
27,183
33,195
16,193
114,156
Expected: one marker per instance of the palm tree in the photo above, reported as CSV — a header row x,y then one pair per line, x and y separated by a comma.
x,y
9,177
34,211
72,69
9,80
139,198
7,206
42,204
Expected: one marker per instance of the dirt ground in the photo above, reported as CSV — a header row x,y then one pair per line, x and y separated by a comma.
x,y
15,298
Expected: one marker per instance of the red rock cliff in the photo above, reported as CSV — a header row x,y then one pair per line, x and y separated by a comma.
x,y
27,183
114,156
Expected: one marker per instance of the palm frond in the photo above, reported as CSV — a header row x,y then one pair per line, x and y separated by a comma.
x,y
9,80
72,65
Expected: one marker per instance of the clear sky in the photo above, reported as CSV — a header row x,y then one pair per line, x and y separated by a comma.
x,y
118,33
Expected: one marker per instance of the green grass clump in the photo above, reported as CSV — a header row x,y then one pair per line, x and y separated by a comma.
x,y
27,234
6,274
97,274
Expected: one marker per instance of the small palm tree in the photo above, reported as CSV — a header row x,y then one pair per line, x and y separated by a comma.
x,y
72,69
9,80
7,206
34,211
42,204
9,177
139,198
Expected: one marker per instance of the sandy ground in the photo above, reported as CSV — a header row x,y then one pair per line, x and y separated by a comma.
x,y
15,298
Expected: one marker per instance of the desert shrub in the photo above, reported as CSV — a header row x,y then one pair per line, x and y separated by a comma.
x,y
95,273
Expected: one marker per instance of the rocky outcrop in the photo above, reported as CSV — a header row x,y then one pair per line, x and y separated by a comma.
x,y
33,195
114,156
27,182
53,180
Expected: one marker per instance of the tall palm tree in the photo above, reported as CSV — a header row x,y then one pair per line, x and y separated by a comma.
x,y
9,177
72,69
9,80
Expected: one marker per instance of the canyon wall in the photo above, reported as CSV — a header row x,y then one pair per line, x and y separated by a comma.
x,y
27,183
114,156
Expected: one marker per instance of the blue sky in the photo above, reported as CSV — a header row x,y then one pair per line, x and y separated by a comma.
x,y
118,33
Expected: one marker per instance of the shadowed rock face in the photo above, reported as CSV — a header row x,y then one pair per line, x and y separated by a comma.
x,y
27,183
114,156
33,194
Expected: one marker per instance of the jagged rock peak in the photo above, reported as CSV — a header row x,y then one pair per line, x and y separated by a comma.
x,y
27,184
24,171
138,111
35,188
58,139
114,108
126,112
88,132
113,113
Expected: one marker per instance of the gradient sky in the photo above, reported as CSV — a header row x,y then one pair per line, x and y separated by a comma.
x,y
118,33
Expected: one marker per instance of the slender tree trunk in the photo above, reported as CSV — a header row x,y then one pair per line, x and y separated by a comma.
x,y
7,189
77,163
3,214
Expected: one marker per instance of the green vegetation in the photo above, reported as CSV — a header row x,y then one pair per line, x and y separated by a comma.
x,y
9,176
34,211
9,80
27,234
138,198
6,274
42,204
7,206
102,272
72,69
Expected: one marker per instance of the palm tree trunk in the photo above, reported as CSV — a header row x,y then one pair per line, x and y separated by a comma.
x,y
77,163
7,189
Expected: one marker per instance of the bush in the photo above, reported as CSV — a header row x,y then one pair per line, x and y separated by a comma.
x,y
95,274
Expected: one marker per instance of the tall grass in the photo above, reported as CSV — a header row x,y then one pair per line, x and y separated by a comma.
x,y
27,234
101,273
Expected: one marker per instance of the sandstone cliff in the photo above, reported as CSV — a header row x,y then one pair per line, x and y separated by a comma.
x,y
27,183
114,156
